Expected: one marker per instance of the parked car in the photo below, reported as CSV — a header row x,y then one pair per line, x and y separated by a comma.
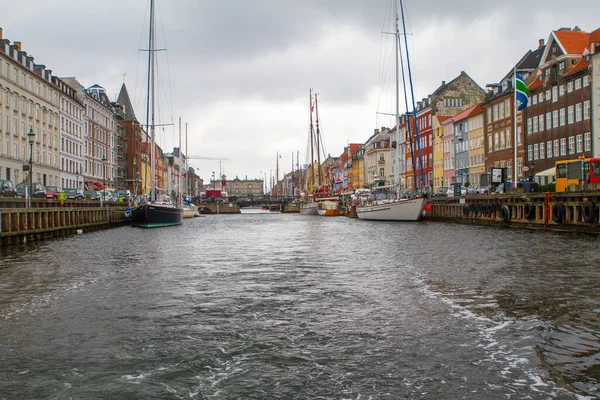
x,y
7,188
52,192
442,192
484,189
91,195
37,190
124,193
473,189
74,194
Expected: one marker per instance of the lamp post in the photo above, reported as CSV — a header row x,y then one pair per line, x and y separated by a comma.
x,y
30,136
104,179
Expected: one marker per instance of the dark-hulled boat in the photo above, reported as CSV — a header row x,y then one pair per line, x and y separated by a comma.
x,y
152,215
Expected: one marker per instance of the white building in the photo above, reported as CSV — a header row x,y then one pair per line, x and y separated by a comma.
x,y
29,102
72,113
595,65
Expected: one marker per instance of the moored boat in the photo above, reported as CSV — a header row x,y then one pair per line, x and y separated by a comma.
x,y
329,208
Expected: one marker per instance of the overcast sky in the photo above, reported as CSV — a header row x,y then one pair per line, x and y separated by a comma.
x,y
238,72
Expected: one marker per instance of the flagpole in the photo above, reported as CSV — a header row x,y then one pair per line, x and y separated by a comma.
x,y
515,126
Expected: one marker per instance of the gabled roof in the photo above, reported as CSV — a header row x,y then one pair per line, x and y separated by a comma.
x,y
535,84
125,101
476,109
442,118
582,64
571,41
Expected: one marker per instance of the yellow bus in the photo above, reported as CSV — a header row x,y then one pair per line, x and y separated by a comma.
x,y
571,172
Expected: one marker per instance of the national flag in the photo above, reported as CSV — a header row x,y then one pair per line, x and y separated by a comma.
x,y
521,91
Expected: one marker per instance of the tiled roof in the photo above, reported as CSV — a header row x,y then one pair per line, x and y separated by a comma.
x,y
573,42
582,64
535,84
476,109
594,37
442,118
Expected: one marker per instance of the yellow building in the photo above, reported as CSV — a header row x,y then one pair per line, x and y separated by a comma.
x,y
358,169
476,145
438,151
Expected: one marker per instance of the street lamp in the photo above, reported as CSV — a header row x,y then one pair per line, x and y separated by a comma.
x,y
30,136
213,179
104,179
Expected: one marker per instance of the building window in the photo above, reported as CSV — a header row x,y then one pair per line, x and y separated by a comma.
x,y
586,109
530,152
541,122
542,151
554,94
571,145
490,148
570,115
535,151
579,143
563,147
502,142
507,108
577,84
562,117
569,87
495,112
541,97
529,124
561,90
496,144
587,141
548,120
535,124
549,149
586,81
508,141
555,119
556,152
578,112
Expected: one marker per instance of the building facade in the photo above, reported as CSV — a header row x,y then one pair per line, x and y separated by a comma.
x,y
29,102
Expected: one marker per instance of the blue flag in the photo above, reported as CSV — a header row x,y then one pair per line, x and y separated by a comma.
x,y
521,91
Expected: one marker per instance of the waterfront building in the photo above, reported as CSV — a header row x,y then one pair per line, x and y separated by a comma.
x,y
461,148
349,180
377,155
595,95
398,154
247,187
133,134
438,151
477,173
28,102
100,135
447,100
558,117
72,114
449,164
358,168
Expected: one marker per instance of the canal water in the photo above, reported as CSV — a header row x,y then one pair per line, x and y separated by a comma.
x,y
284,306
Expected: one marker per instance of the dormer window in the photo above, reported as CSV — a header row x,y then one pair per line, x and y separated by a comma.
x,y
561,65
547,72
554,49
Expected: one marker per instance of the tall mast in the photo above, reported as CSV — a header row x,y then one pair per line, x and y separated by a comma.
x,y
187,186
151,95
320,177
312,153
180,166
397,48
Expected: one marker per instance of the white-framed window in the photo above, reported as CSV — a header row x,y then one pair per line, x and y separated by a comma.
x,y
579,143
555,145
562,117
490,144
541,97
586,81
548,120
501,111
563,147
530,152
586,109
489,115
495,112
519,132
571,145
535,124
587,142
549,149
535,151
548,94
541,122
502,142
578,112
554,94
529,125
542,151
507,108
561,90
508,139
577,84
570,114
569,87
555,119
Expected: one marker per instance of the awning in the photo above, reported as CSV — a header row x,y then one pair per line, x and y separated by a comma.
x,y
98,185
547,172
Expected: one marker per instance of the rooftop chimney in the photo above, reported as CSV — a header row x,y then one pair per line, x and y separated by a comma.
x,y
17,46
541,43
0,33
443,83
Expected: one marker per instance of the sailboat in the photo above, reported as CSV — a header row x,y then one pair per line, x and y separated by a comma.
x,y
385,203
155,211
317,192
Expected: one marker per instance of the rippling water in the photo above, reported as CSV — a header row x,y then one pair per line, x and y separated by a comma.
x,y
276,306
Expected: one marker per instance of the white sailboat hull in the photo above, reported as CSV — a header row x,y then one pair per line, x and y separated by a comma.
x,y
399,210
309,208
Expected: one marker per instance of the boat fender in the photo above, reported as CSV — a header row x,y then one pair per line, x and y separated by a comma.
x,y
529,210
588,211
558,213
128,212
505,213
